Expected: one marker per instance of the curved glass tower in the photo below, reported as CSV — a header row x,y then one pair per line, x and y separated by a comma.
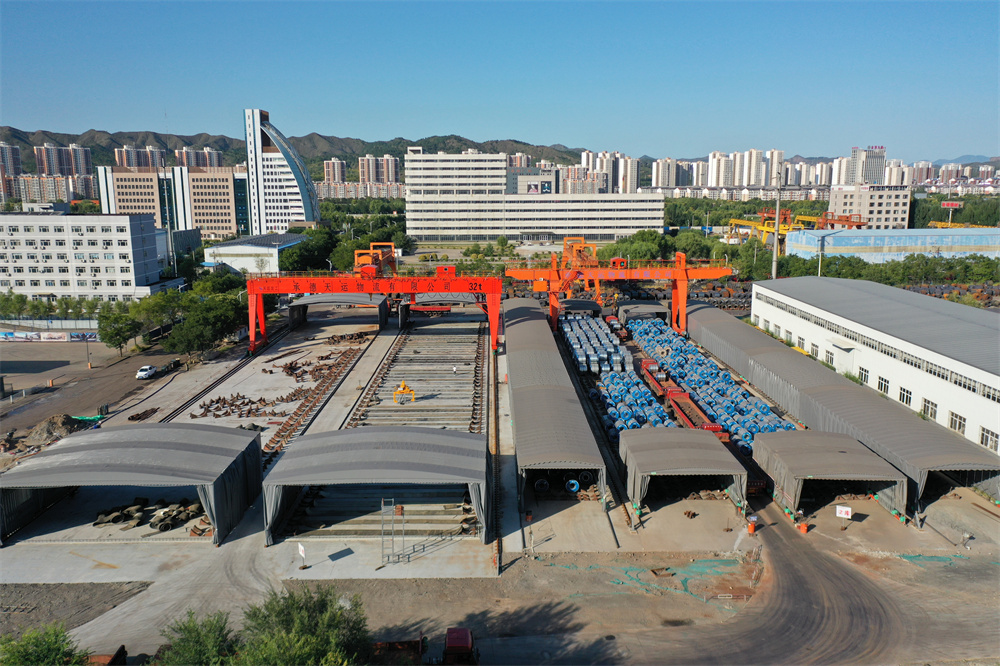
x,y
280,191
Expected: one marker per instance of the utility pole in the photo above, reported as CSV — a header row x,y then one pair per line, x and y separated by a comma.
x,y
777,218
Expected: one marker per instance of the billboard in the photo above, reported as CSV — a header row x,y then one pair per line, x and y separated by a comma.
x,y
547,188
532,188
952,204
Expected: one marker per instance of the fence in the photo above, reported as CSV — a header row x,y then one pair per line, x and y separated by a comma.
x,y
49,324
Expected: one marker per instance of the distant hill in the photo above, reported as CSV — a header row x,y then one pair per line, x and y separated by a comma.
x,y
964,159
314,148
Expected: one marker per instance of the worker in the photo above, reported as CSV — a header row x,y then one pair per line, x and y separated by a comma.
x,y
454,369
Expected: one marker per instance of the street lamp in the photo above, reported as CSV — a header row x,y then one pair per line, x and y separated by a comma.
x,y
86,342
330,264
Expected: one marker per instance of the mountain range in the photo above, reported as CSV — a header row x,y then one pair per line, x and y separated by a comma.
x,y
315,148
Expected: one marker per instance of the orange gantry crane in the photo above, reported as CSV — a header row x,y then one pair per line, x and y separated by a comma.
x,y
558,277
378,260
828,219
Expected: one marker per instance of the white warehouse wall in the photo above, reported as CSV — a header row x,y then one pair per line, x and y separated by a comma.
x,y
980,411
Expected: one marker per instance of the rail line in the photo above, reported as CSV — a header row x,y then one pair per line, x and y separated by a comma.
x,y
278,335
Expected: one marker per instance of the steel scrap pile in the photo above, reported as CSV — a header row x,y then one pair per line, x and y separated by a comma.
x,y
238,405
162,517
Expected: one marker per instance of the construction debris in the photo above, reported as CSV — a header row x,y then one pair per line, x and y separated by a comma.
x,y
55,428
143,415
162,517
238,405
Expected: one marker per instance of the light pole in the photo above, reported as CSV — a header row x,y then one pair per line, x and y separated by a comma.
x,y
330,264
86,342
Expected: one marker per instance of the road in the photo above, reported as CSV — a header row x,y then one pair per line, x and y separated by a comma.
x,y
814,609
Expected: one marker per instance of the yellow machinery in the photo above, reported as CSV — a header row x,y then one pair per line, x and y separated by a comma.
x,y
763,230
957,225
400,394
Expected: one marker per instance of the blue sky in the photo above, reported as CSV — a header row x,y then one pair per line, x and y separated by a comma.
x,y
658,78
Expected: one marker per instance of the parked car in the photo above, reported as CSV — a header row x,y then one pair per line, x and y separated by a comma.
x,y
146,372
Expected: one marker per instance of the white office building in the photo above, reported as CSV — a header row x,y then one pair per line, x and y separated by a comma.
x,y
475,196
279,188
880,206
252,254
50,255
938,358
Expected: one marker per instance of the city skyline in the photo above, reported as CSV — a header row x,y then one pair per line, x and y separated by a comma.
x,y
441,73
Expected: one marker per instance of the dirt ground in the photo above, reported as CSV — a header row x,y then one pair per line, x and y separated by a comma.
x,y
559,594
24,606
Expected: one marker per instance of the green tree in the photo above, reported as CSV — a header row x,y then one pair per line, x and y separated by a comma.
x,y
205,323
306,627
502,242
64,306
199,641
90,306
48,645
115,329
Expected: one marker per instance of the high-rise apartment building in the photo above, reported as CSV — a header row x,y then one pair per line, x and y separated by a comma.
x,y
923,172
280,190
824,171
665,172
150,156
10,159
588,160
720,170
204,158
53,160
950,172
628,175
897,173
383,169
334,171
775,169
753,168
699,174
476,196
986,171
519,160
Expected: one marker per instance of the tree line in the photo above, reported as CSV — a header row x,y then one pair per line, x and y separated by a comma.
x,y
293,627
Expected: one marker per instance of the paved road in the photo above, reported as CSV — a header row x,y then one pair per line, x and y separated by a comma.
x,y
814,610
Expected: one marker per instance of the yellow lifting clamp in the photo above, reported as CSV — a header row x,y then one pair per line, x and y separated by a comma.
x,y
402,392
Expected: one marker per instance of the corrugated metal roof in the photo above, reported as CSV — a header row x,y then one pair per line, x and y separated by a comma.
x,y
550,427
160,454
382,454
677,451
965,334
825,401
265,240
825,455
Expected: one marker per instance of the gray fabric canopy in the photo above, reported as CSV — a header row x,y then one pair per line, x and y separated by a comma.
x,y
340,299
224,464
632,310
445,298
580,305
825,401
379,455
551,430
649,452
791,457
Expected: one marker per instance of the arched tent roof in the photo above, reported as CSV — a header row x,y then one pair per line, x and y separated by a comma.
x,y
379,455
223,463
790,458
445,298
340,299
651,452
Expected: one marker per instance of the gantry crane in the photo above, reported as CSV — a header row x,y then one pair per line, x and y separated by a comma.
x,y
378,260
828,219
558,278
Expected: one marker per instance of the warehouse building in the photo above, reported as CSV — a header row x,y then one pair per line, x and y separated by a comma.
x,y
253,254
937,358
878,246
826,401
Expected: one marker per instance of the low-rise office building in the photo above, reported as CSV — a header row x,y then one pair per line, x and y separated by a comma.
x,y
46,256
252,254
938,358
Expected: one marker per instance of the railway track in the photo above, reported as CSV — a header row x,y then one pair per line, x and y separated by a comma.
x,y
273,339
445,364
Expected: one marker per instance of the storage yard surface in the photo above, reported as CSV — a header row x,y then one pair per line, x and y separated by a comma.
x,y
578,584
